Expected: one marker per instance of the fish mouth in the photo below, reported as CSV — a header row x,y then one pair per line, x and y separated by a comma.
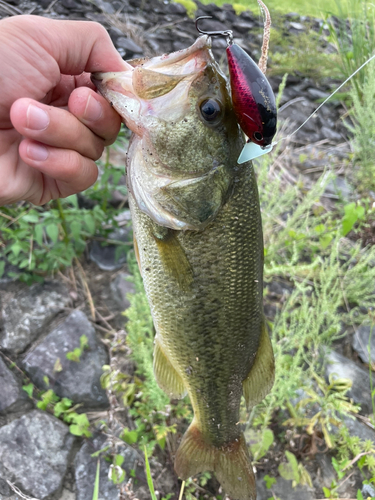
x,y
156,87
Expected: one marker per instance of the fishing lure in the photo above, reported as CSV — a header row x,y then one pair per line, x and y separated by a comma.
x,y
253,99
252,96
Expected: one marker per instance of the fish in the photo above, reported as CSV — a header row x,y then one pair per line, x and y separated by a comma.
x,y
199,245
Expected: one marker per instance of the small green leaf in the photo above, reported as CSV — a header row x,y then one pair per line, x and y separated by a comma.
x,y
83,342
327,492
359,495
74,355
29,388
30,217
89,222
117,475
325,240
129,437
270,481
53,232
16,249
75,227
290,470
118,460
38,234
46,380
57,367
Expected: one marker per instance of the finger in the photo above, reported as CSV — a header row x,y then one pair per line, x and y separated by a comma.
x,y
76,46
96,113
59,95
55,127
69,167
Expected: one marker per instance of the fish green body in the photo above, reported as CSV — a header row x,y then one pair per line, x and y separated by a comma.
x,y
198,235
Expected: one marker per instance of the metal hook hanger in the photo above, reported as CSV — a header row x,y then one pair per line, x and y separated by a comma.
x,y
228,34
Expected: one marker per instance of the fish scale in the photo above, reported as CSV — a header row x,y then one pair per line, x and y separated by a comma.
x,y
224,305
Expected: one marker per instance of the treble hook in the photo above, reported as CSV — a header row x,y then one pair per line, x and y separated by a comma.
x,y
227,33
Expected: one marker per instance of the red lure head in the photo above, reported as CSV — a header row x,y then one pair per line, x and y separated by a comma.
x,y
253,99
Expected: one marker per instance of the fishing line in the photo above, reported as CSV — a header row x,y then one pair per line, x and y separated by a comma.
x,y
325,100
251,150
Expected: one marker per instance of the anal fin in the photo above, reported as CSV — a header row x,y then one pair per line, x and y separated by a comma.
x,y
260,379
166,375
230,463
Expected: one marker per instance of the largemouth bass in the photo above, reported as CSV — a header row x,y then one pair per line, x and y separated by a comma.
x,y
198,237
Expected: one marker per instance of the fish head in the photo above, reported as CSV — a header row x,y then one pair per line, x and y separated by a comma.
x,y
183,156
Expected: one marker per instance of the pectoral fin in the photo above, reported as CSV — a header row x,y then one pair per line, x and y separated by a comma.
x,y
261,376
174,259
136,251
165,374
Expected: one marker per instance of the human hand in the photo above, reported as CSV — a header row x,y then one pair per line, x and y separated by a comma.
x,y
53,125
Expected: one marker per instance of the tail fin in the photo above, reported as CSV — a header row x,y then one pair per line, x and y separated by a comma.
x,y
231,463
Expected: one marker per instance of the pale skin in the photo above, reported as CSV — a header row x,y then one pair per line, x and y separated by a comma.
x,y
53,124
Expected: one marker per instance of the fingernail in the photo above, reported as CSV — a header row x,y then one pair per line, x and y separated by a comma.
x,y
37,152
93,110
37,118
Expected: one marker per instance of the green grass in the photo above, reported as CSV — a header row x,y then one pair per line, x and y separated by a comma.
x,y
319,8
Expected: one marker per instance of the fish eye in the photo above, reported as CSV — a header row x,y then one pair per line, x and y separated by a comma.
x,y
210,109
258,136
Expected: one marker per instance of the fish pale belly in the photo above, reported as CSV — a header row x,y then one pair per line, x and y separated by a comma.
x,y
209,324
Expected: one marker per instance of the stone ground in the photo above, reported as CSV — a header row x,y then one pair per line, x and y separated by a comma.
x,y
41,323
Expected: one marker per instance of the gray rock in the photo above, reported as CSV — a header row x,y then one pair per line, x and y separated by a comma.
x,y
128,45
85,470
13,398
27,315
8,387
4,489
317,94
330,134
175,8
297,26
34,452
243,26
361,342
360,429
339,188
120,287
368,491
111,257
104,6
342,367
283,489
79,381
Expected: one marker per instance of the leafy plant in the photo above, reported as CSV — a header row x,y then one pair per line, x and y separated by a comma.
x,y
38,241
95,494
331,403
76,354
294,471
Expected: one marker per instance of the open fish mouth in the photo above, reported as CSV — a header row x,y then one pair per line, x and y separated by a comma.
x,y
155,87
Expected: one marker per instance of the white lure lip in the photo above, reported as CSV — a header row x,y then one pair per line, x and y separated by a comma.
x,y
252,150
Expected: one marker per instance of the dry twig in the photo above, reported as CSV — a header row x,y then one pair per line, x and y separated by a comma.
x,y
266,37
19,492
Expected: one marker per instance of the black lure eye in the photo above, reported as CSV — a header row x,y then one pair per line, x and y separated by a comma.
x,y
210,109
258,136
